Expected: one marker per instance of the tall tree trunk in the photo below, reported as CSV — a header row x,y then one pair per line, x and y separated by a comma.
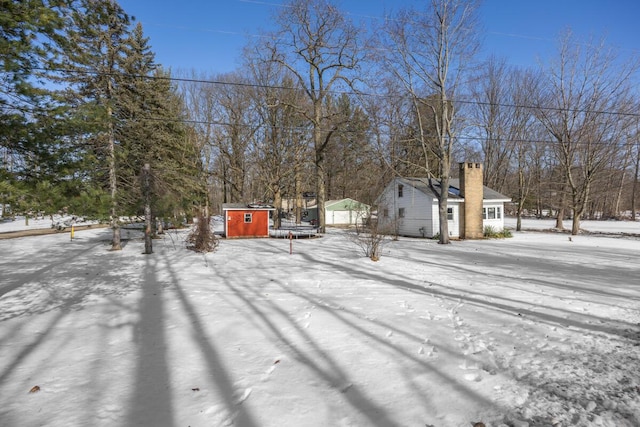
x,y
443,202
559,218
616,205
634,190
580,200
116,244
575,223
521,199
277,203
320,191
444,221
148,219
561,208
298,190
225,179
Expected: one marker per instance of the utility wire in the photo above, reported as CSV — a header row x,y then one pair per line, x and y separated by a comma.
x,y
343,131
479,138
334,92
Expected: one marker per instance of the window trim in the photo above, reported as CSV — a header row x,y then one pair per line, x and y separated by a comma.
x,y
248,217
488,210
401,212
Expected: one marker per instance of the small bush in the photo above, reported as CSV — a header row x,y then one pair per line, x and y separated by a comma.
x,y
202,238
370,239
491,233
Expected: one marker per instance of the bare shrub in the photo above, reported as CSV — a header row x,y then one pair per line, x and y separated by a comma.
x,y
370,238
202,238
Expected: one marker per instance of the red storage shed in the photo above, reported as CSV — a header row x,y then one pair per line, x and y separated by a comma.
x,y
242,220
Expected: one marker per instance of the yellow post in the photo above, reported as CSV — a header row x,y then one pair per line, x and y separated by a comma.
x,y
72,230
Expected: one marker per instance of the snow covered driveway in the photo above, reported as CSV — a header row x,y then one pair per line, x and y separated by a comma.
x,y
532,330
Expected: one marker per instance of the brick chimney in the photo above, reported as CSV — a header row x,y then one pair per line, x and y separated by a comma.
x,y
471,210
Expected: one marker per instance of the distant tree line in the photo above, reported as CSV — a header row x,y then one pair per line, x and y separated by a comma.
x,y
321,105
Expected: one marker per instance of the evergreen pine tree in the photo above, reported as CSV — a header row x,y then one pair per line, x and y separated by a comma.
x,y
153,133
93,70
30,31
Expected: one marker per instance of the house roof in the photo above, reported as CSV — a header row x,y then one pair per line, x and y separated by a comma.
x,y
422,184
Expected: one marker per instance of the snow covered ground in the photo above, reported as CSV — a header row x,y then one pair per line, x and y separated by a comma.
x,y
611,227
532,330
56,221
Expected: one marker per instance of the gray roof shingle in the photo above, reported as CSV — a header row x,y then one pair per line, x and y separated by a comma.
x,y
422,184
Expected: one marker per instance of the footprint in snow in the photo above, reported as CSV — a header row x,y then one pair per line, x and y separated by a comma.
x,y
467,365
428,351
304,316
242,396
473,377
269,370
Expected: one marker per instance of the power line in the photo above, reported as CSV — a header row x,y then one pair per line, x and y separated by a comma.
x,y
334,92
480,138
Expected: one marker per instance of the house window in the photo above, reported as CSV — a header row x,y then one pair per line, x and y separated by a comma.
x,y
450,214
490,213
385,212
400,190
498,213
248,217
401,213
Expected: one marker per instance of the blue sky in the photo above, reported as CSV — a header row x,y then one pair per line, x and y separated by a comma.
x,y
208,35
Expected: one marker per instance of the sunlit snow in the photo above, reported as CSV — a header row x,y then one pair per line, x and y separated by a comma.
x,y
537,329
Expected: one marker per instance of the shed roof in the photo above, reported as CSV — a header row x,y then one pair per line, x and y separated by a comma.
x,y
245,206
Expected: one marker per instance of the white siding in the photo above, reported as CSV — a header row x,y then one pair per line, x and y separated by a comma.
x,y
492,220
386,210
420,211
454,224
417,209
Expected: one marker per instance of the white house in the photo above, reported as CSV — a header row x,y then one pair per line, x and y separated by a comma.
x,y
409,206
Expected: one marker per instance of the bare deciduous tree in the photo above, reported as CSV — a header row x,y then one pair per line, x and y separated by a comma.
x,y
282,143
200,103
636,169
429,51
507,129
236,110
586,90
494,116
525,134
319,46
